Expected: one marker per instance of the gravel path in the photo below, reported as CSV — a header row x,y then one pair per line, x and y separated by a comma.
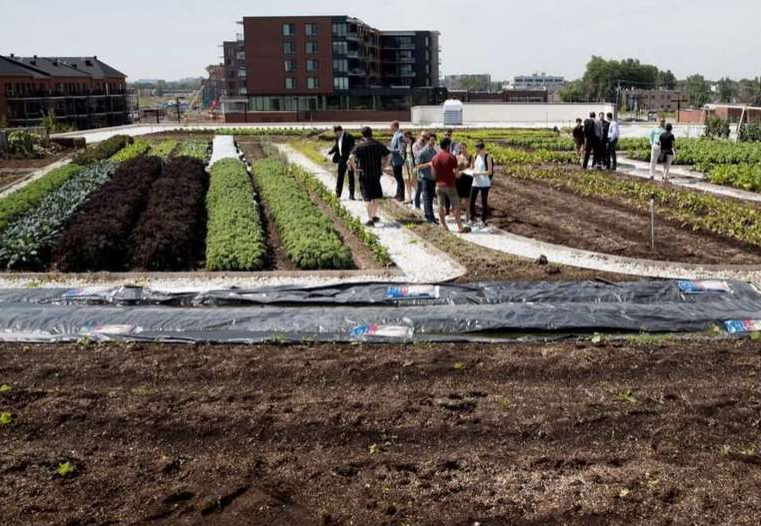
x,y
417,259
223,148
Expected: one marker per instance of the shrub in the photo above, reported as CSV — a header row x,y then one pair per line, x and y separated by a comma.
x,y
309,238
716,127
750,132
170,231
26,242
97,238
103,150
24,145
21,201
235,238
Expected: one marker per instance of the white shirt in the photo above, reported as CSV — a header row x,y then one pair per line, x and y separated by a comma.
x,y
480,181
341,145
614,132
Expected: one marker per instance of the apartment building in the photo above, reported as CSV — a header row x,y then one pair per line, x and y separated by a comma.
x,y
291,69
654,99
82,91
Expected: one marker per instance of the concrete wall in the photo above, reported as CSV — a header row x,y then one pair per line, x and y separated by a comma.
x,y
317,116
474,113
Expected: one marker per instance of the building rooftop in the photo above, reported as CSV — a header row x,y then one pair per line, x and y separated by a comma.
x,y
44,67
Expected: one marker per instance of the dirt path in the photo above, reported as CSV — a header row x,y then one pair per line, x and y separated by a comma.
x,y
540,212
542,434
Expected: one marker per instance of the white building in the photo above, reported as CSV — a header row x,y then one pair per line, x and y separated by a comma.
x,y
537,81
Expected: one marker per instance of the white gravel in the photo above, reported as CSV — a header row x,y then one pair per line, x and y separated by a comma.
x,y
420,262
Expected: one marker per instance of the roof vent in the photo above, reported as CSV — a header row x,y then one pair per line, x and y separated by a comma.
x,y
13,56
74,66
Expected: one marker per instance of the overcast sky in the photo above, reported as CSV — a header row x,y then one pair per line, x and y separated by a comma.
x,y
178,38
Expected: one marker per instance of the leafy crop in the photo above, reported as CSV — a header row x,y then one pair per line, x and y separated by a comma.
x,y
197,148
745,176
167,236
309,238
22,201
26,242
6,419
696,210
750,132
504,155
266,132
707,152
136,149
164,149
235,238
102,151
97,238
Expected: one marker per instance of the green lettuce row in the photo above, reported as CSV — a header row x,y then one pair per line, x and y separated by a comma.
x,y
22,201
309,238
196,148
103,150
235,239
134,150
745,176
26,243
164,149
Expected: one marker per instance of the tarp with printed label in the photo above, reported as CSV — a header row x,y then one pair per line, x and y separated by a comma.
x,y
377,311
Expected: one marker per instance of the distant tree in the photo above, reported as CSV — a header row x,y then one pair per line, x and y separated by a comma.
x,y
572,92
666,80
160,88
603,77
474,83
726,88
698,90
749,91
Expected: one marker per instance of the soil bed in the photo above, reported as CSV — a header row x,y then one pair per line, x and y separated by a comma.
x,y
34,164
563,433
535,210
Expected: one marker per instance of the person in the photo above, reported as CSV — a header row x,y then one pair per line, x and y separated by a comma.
x,y
444,167
667,142
397,158
578,138
367,160
655,146
426,178
590,138
456,148
483,173
410,175
602,143
341,151
464,183
418,147
614,133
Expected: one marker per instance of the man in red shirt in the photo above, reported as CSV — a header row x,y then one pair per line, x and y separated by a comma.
x,y
444,167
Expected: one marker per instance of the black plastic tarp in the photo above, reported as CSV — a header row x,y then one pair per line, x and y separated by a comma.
x,y
373,311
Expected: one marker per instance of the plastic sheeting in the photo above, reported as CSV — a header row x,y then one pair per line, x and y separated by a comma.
x,y
223,148
374,311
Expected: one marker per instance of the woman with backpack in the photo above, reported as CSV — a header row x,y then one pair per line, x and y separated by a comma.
x,y
483,174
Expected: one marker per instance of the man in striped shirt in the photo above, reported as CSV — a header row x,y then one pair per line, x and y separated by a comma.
x,y
368,159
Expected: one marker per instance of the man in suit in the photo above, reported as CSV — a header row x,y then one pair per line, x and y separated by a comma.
x,y
592,135
341,151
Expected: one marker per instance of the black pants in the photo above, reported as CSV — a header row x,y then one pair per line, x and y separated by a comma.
x,y
418,192
590,149
399,176
484,202
600,148
612,157
429,191
342,169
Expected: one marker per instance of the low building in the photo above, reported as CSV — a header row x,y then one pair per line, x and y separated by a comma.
x,y
537,81
320,68
511,96
654,99
82,91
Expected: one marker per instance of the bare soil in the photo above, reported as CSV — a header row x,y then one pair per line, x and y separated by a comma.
x,y
33,164
538,211
624,433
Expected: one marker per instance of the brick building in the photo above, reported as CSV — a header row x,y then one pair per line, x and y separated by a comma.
x,y
214,86
654,99
290,69
82,91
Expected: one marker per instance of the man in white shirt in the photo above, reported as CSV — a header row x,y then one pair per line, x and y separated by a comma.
x,y
614,132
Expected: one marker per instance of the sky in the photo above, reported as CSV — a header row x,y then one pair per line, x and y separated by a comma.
x,y
172,39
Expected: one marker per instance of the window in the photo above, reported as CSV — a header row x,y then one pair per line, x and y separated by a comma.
x,y
241,55
290,66
341,83
312,83
339,30
288,48
311,47
340,48
312,65
340,65
290,83
311,30
243,91
242,73
289,30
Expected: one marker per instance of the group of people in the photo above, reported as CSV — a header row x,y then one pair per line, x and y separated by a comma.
x,y
596,139
663,148
425,169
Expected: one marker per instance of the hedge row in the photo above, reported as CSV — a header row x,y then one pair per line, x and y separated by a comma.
x,y
136,149
22,201
169,233
26,243
103,150
309,238
235,239
97,238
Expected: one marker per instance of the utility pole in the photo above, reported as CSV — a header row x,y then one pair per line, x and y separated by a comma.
x,y
177,100
679,102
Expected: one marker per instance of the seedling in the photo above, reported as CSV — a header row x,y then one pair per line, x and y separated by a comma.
x,y
458,366
5,388
6,419
725,450
755,336
374,449
66,469
598,339
504,403
625,396
624,493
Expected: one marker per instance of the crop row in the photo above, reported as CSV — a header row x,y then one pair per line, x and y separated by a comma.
x,y
164,149
505,156
196,148
309,238
707,152
27,242
103,150
235,239
136,149
745,176
97,237
22,201
696,210
169,233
